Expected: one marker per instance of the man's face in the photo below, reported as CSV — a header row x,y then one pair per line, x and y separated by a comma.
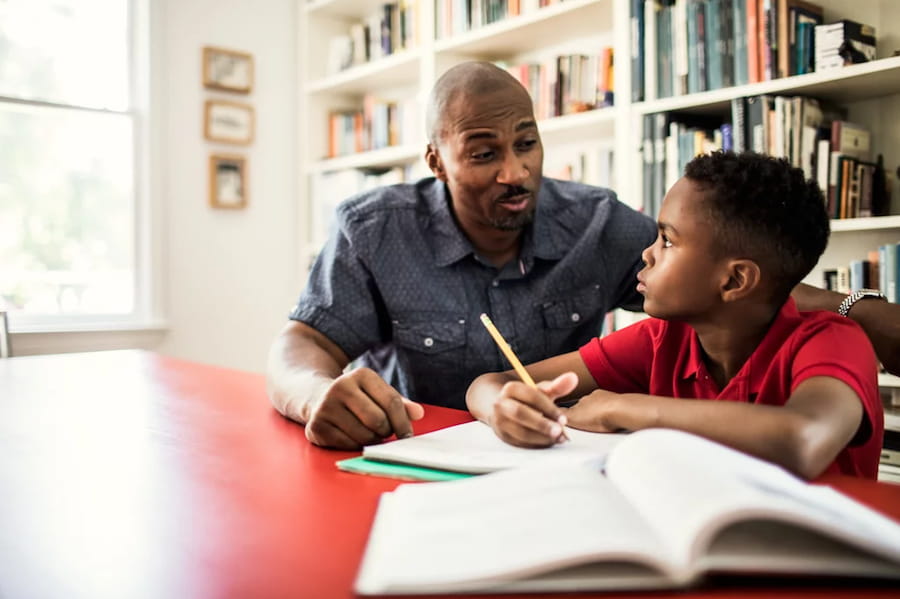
x,y
490,156
682,272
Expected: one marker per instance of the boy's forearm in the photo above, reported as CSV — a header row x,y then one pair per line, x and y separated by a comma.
x,y
482,394
772,433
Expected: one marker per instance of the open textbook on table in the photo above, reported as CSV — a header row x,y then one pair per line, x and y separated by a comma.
x,y
474,448
671,508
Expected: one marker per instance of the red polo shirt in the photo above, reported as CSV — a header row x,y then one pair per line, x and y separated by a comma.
x,y
661,357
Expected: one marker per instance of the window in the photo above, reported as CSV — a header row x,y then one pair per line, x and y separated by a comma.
x,y
68,235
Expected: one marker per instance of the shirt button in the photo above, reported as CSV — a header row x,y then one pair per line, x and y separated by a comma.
x,y
428,342
575,317
495,283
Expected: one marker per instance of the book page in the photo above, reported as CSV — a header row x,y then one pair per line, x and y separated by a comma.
x,y
690,489
473,447
489,531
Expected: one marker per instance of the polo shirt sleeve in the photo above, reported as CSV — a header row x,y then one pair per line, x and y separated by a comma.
x,y
838,347
621,362
341,299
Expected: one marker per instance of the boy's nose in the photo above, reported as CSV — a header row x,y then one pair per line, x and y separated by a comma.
x,y
647,255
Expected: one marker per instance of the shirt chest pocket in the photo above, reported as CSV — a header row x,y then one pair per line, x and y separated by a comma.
x,y
571,321
431,337
573,311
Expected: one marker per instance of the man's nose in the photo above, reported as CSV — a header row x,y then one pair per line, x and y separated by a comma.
x,y
512,171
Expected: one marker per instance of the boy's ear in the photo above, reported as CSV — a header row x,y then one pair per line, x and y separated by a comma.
x,y
433,159
743,277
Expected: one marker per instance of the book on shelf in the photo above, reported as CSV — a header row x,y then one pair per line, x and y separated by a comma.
x,y
842,43
671,509
474,448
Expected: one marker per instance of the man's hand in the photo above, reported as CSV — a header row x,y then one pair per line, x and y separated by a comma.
x,y
529,417
360,408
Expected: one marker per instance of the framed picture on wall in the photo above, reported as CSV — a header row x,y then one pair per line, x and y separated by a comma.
x,y
227,70
228,122
227,181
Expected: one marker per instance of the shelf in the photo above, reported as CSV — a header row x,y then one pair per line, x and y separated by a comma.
x,y
888,380
401,68
892,419
865,224
349,9
855,82
542,28
579,126
383,158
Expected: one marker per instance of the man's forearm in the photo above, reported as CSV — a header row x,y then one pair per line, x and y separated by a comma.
x,y
299,374
879,319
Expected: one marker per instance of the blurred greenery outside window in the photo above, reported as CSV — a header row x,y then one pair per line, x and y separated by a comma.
x,y
67,161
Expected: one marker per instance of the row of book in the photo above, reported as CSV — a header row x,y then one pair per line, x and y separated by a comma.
x,y
567,84
880,269
455,17
689,46
391,28
380,124
811,134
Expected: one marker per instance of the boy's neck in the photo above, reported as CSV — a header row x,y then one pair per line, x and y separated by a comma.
x,y
730,338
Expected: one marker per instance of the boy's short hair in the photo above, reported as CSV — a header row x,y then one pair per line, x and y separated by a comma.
x,y
764,209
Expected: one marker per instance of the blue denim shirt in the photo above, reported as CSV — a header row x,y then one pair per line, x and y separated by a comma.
x,y
399,286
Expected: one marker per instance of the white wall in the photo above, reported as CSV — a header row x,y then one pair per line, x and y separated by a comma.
x,y
230,277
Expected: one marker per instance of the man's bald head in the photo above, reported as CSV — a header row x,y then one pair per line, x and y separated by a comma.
x,y
466,80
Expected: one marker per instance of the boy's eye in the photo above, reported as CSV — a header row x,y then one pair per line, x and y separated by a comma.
x,y
665,241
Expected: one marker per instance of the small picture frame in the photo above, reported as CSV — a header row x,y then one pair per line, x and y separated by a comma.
x,y
227,70
228,122
227,181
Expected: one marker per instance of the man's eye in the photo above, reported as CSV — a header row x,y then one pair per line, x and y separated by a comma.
x,y
482,155
527,144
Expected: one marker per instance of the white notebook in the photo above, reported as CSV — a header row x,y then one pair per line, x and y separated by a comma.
x,y
474,448
671,508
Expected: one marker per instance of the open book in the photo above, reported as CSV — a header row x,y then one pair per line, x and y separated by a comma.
x,y
671,508
473,447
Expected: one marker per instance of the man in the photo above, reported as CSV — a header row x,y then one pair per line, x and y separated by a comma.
x,y
403,281
399,286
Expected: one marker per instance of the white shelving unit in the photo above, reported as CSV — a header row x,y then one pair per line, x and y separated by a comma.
x,y
870,91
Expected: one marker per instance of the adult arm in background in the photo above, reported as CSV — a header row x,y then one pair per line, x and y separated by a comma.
x,y
307,383
879,319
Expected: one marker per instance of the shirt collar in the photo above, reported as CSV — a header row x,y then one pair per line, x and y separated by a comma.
x,y
749,376
554,230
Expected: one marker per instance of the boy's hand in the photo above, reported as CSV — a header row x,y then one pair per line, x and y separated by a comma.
x,y
595,412
529,417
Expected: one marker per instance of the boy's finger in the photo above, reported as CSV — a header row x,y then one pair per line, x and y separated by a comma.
x,y
560,386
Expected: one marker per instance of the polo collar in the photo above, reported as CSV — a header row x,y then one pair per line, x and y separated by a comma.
x,y
749,376
556,227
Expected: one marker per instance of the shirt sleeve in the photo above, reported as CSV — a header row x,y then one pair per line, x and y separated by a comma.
x,y
621,361
840,349
340,299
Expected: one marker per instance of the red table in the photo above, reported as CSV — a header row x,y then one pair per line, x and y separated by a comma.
x,y
128,474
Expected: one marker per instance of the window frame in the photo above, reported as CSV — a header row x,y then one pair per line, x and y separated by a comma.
x,y
143,109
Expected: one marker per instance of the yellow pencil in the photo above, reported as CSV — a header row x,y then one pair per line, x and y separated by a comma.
x,y
511,356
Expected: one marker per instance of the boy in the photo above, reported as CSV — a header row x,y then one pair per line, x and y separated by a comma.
x,y
799,389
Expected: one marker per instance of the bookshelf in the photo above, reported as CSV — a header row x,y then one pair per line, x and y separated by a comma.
x,y
869,91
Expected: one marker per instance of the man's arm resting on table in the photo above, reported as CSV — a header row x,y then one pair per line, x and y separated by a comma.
x,y
302,365
879,319
341,410
804,436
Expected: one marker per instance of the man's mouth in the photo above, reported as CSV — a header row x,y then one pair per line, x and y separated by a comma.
x,y
516,202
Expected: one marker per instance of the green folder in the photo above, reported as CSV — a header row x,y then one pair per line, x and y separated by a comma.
x,y
361,465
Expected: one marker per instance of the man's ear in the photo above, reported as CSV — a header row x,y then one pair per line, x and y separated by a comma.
x,y
743,276
433,159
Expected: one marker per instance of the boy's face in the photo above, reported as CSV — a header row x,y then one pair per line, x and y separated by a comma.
x,y
682,275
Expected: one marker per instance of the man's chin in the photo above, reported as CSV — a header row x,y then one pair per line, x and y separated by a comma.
x,y
514,222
